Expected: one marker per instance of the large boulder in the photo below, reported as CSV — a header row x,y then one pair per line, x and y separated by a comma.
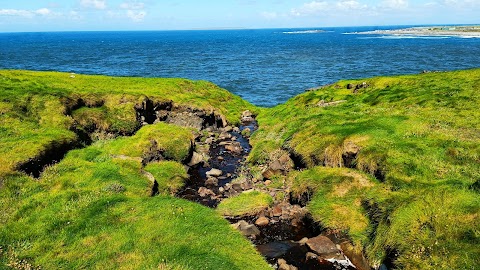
x,y
323,246
246,229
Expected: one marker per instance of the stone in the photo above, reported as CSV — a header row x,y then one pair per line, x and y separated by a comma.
x,y
247,113
185,119
286,162
209,140
234,147
228,129
214,172
246,229
311,256
220,158
211,182
268,183
204,192
350,86
262,221
303,241
277,211
322,246
269,173
276,166
196,159
236,129
237,187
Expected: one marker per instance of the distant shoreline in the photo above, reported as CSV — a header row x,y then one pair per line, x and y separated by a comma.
x,y
457,31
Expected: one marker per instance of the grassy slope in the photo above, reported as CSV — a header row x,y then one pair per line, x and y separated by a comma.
x,y
420,136
93,210
33,107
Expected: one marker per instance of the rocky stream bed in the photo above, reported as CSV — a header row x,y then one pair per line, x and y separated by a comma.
x,y
284,233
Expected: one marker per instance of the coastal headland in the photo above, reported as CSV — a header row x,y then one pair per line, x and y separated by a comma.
x,y
455,31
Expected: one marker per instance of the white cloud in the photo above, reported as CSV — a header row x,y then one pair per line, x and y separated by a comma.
x,y
132,5
136,16
25,13
16,12
43,11
351,5
96,4
394,4
311,8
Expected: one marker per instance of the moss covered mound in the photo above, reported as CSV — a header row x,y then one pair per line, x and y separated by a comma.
x,y
394,161
95,208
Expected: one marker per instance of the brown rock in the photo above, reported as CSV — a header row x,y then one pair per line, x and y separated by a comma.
x,y
246,229
262,221
204,192
277,211
234,147
286,162
322,246
276,166
196,159
269,173
211,182
268,183
214,173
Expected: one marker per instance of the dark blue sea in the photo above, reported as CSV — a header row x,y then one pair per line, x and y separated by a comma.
x,y
266,67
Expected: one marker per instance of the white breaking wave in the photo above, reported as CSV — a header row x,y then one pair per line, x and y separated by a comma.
x,y
305,32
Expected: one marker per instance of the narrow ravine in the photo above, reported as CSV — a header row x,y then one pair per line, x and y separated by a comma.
x,y
284,234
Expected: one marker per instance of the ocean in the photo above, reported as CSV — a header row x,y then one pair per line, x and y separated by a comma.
x,y
265,66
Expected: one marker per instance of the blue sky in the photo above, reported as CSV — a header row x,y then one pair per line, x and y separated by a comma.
x,y
73,15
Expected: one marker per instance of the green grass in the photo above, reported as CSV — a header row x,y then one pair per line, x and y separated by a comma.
x,y
34,108
169,175
93,210
247,203
412,188
418,134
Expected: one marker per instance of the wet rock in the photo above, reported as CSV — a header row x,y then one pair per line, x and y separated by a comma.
x,y
196,159
224,136
323,246
211,182
214,172
246,229
311,256
204,192
234,147
262,221
283,265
